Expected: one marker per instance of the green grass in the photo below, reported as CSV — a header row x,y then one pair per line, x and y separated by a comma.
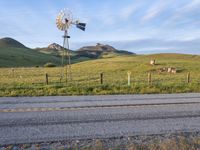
x,y
18,57
31,81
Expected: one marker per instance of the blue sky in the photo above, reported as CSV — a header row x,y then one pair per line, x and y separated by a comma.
x,y
141,26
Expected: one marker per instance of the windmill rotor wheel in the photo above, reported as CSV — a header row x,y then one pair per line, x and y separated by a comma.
x,y
64,20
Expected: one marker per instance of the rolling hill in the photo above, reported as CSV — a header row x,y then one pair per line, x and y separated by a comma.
x,y
15,54
9,42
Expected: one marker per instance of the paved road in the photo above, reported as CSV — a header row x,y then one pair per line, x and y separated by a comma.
x,y
41,119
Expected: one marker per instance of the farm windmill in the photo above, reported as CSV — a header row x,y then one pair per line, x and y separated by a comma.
x,y
64,21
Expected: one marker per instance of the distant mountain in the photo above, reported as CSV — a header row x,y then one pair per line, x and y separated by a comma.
x,y
15,54
54,49
57,50
99,47
86,52
100,50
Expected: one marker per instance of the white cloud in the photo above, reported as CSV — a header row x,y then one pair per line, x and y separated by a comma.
x,y
154,11
109,16
128,11
190,6
182,12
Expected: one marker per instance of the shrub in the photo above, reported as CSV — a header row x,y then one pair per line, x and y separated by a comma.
x,y
49,65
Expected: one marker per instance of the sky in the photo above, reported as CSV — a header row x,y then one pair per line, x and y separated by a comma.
x,y
140,26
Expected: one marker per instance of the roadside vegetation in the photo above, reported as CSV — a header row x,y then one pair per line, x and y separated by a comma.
x,y
174,143
180,143
86,77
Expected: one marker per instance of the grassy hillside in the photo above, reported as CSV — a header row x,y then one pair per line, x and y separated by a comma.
x,y
75,58
15,54
116,68
86,77
24,57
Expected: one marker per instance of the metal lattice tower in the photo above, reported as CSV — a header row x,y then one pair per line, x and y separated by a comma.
x,y
68,65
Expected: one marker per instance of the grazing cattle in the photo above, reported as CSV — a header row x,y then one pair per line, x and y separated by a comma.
x,y
174,70
153,62
162,70
171,70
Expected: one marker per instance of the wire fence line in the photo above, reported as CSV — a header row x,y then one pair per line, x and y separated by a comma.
x,y
53,76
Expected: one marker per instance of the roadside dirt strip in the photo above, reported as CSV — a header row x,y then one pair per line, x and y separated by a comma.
x,y
44,119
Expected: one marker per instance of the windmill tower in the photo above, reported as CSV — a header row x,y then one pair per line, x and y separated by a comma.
x,y
64,21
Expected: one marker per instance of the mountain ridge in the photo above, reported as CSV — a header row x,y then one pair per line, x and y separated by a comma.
x,y
101,50
91,52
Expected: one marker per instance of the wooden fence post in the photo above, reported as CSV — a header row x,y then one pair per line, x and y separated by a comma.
x,y
188,77
101,78
88,80
149,78
46,79
129,78
13,72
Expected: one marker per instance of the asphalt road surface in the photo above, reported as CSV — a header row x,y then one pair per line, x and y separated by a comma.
x,y
43,119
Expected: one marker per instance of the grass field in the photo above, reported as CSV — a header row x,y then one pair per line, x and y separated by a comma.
x,y
86,77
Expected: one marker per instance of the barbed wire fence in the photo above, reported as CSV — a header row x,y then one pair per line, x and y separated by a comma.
x,y
46,77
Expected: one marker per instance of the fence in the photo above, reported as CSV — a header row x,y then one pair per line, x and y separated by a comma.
x,y
53,76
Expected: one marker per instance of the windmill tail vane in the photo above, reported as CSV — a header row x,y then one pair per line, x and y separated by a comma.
x,y
81,26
